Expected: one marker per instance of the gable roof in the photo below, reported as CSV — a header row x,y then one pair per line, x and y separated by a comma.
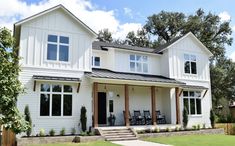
x,y
97,45
52,9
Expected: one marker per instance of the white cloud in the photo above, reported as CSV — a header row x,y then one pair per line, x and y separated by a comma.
x,y
128,12
13,10
233,28
232,56
224,16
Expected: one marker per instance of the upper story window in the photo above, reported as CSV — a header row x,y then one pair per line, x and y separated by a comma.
x,y
192,102
58,48
56,100
95,61
139,63
190,64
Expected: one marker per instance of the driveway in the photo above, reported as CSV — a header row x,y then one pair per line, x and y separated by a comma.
x,y
137,143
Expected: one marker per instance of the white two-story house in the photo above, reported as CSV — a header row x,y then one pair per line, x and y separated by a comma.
x,y
63,68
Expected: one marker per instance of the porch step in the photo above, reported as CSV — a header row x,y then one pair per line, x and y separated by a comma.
x,y
118,134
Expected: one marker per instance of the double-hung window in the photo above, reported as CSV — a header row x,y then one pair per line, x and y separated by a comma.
x,y
58,48
192,102
139,63
95,61
56,100
190,64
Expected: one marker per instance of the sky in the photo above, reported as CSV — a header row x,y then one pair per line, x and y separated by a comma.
x,y
119,16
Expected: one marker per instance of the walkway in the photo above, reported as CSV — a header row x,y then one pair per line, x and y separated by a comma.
x,y
137,143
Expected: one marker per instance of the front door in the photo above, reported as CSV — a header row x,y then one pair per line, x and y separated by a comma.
x,y
102,108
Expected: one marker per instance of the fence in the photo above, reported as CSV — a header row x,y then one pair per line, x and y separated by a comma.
x,y
8,138
229,128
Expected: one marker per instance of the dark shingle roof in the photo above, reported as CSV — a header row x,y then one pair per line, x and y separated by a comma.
x,y
108,74
97,45
193,87
36,77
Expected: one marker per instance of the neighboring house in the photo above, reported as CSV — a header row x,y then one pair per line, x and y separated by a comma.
x,y
64,68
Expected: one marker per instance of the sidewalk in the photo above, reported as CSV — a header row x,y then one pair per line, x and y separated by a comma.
x,y
137,143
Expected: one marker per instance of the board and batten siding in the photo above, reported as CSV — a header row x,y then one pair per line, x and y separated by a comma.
x,y
33,42
32,98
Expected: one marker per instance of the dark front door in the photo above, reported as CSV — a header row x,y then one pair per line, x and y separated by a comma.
x,y
102,108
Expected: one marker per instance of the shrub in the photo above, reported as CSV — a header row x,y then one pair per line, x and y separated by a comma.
x,y
91,133
62,132
84,134
141,132
148,131
83,118
42,132
185,117
194,127
73,131
168,129
28,119
204,126
198,126
212,118
157,130
52,132
177,128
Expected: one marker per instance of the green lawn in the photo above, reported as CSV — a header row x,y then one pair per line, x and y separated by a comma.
x,y
196,140
97,143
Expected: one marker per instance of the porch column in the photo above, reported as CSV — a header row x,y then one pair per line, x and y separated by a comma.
x,y
127,105
95,101
153,101
177,102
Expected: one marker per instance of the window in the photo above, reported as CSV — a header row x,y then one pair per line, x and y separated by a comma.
x,y
139,63
58,48
190,64
55,100
95,61
192,102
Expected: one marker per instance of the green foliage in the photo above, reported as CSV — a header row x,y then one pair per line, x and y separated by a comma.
x,y
185,117
105,36
198,126
168,129
52,132
28,119
73,131
10,84
212,118
177,128
194,127
204,126
42,132
62,131
83,118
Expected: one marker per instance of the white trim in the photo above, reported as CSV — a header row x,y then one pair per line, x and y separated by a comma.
x,y
132,51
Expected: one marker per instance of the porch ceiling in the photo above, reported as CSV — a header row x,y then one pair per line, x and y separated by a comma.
x,y
123,77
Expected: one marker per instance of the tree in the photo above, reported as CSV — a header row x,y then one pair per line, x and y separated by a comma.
x,y
185,117
10,85
141,38
212,118
28,119
83,118
105,36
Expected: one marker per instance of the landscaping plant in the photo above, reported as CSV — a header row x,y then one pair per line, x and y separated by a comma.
x,y
73,131
42,132
185,117
52,132
83,118
212,118
62,132
28,119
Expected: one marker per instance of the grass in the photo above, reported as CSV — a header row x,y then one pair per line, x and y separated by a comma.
x,y
97,143
196,140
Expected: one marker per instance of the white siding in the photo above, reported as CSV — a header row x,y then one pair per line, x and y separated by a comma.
x,y
32,98
33,42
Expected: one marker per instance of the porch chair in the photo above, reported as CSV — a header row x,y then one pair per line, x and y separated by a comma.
x,y
130,118
161,119
138,118
147,117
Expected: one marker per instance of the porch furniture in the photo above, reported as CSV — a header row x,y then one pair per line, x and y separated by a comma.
x,y
147,117
129,117
139,120
161,119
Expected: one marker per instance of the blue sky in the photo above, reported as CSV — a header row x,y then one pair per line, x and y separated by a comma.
x,y
119,15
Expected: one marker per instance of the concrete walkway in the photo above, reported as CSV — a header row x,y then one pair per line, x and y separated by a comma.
x,y
137,143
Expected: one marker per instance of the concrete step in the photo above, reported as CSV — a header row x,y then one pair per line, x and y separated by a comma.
x,y
120,139
118,134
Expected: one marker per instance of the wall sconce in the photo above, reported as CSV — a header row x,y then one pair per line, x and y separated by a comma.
x,y
118,95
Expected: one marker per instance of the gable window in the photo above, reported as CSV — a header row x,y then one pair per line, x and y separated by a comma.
x,y
192,102
190,64
58,48
55,100
95,61
138,63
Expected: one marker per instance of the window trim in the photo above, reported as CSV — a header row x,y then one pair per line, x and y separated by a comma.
x,y
93,61
190,68
135,61
195,102
62,93
58,47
